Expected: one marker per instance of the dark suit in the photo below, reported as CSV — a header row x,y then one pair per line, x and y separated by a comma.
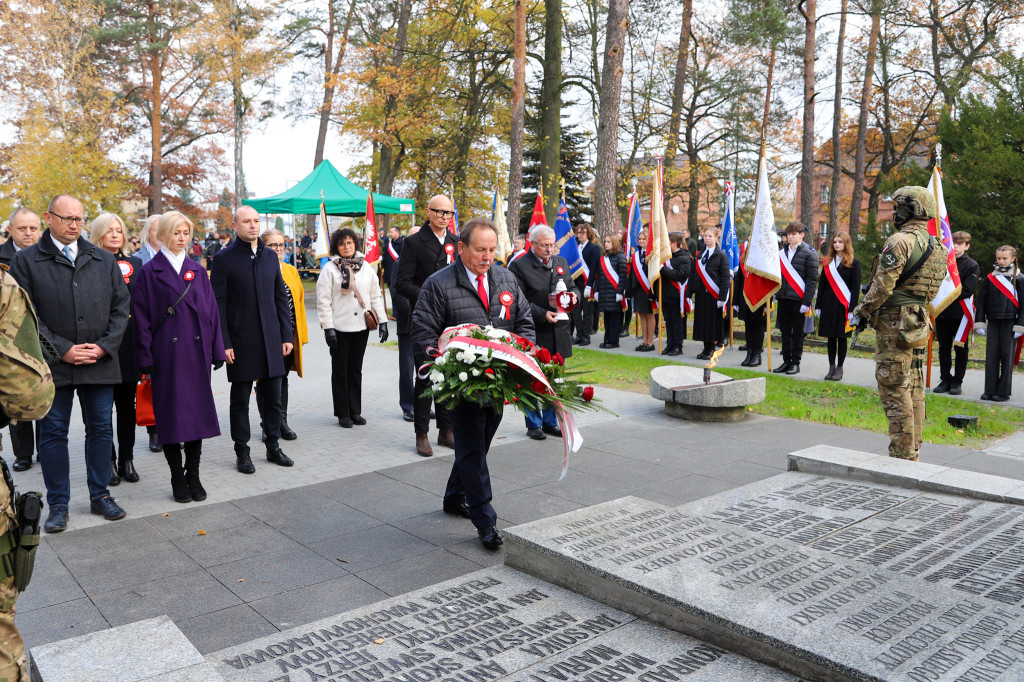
x,y
583,317
677,272
947,323
23,440
403,312
391,261
422,255
255,320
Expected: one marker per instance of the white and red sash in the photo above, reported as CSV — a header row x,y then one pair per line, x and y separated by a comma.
x,y
1004,285
641,272
391,250
790,273
612,276
684,303
709,283
586,270
966,322
839,287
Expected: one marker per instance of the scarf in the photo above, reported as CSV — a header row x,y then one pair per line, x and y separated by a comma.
x,y
1007,270
353,263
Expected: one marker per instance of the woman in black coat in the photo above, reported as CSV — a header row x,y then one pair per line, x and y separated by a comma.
x,y
610,290
754,321
640,298
108,233
833,314
708,321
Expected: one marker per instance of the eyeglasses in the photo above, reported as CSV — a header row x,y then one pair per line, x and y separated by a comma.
x,y
66,220
545,246
276,246
441,214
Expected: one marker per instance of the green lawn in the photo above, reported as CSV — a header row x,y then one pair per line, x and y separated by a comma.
x,y
823,402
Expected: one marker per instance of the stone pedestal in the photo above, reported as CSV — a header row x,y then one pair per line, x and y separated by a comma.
x,y
686,396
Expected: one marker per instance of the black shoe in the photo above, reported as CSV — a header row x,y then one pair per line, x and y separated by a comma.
x,y
106,507
154,444
703,356
645,347
746,360
608,345
22,464
535,434
1000,398
623,333
794,368
127,471
57,521
490,538
676,350
277,457
782,369
408,416
345,422
286,432
263,435
358,421
943,387
456,508
987,396
552,431
954,389
743,347
114,478
755,360
583,342
245,464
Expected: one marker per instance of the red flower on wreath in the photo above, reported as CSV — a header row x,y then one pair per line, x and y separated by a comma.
x,y
558,359
543,355
588,393
538,387
489,371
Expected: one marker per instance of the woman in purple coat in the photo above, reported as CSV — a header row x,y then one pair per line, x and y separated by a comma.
x,y
178,350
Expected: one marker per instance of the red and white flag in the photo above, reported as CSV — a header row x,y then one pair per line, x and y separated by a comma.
x,y
370,242
763,270
939,228
966,322
538,218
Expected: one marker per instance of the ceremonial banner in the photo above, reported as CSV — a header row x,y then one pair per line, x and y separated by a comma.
x,y
453,224
966,322
371,244
730,242
498,218
321,247
763,269
939,228
659,249
633,227
565,241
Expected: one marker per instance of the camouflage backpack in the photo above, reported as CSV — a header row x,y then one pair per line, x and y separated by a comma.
x,y
26,385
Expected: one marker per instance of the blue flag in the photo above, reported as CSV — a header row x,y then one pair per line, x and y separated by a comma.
x,y
565,240
730,243
635,225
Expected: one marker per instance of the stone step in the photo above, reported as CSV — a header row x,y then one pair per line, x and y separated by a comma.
x,y
829,579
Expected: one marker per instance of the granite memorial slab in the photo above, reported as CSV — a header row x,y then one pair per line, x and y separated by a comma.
x,y
827,578
698,394
495,624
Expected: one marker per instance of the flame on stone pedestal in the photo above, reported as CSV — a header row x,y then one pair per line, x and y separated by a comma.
x,y
714,358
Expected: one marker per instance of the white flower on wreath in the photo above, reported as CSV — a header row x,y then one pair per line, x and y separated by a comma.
x,y
475,372
463,376
441,360
436,377
495,333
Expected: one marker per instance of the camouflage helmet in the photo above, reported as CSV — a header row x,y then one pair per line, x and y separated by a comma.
x,y
918,199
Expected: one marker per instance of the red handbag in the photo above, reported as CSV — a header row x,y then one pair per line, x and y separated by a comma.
x,y
144,403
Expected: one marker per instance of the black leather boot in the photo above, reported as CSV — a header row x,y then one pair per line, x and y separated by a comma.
x,y
193,453
126,470
746,360
179,487
114,478
286,431
755,360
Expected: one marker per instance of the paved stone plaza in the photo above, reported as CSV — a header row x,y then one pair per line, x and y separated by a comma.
x,y
358,519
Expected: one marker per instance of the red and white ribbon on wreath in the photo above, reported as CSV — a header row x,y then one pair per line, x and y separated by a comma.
x,y
449,251
966,322
572,438
506,300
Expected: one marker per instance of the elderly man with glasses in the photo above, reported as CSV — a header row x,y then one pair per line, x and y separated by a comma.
x,y
423,254
82,304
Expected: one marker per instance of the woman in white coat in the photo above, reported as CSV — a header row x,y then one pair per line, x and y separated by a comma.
x,y
346,289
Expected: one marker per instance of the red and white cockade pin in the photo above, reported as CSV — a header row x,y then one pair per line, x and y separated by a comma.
x,y
560,270
189,275
126,269
450,250
505,299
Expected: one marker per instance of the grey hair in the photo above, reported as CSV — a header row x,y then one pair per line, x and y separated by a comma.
x,y
541,231
18,211
151,222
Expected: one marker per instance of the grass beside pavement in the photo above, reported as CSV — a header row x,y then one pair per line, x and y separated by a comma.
x,y
824,402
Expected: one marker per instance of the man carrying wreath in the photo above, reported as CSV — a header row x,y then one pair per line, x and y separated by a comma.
x,y
472,290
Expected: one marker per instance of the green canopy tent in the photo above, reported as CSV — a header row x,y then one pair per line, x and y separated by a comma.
x,y
341,197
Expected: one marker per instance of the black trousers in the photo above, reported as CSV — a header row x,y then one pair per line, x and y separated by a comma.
x,y
124,407
406,373
999,357
421,409
791,324
24,436
612,326
675,326
347,373
945,331
755,327
270,395
473,427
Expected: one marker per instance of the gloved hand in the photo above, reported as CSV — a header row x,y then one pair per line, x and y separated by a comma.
x,y
804,309
596,297
720,304
148,369
331,337
588,292
1017,335
817,311
618,298
736,309
382,332
217,364
981,328
849,318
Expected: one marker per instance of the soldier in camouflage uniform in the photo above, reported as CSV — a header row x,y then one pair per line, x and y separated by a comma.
x,y
898,305
13,667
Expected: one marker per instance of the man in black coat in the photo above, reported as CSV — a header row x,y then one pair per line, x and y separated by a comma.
x,y
424,253
584,313
82,305
948,321
256,323
403,314
450,297
799,262
392,250
674,276
24,228
538,273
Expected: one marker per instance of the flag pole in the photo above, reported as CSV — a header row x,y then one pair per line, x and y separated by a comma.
x,y
660,316
938,232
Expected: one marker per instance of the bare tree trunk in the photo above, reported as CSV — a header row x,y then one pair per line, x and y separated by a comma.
x,y
388,163
862,121
551,108
672,143
606,213
515,168
837,116
807,164
238,109
156,200
332,65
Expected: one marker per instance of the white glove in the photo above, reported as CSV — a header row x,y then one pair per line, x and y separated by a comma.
x,y
618,298
804,309
817,311
736,309
854,320
981,331
588,291
849,318
596,297
1017,335
721,304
